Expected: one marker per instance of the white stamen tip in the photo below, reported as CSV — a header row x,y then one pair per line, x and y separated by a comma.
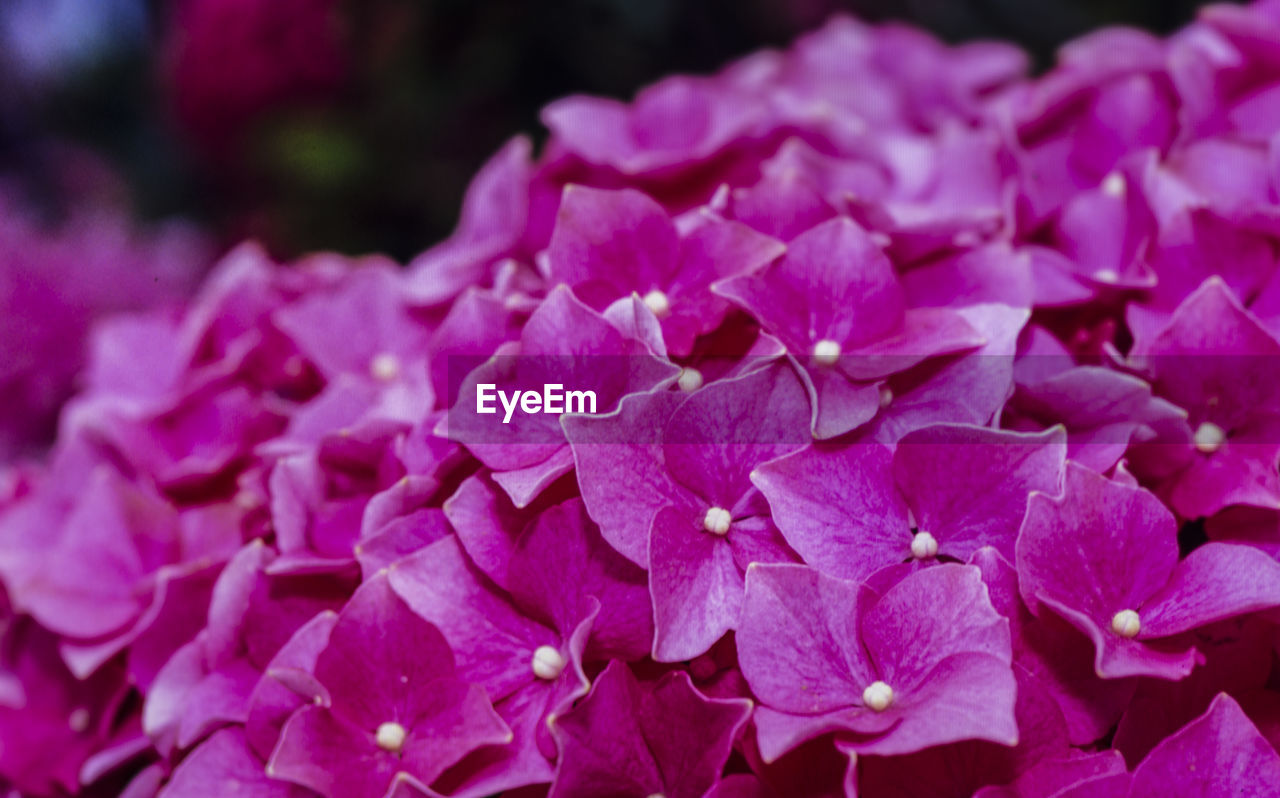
x,y
547,663
924,546
1126,623
385,367
1209,437
78,720
390,736
657,302
878,696
826,352
1113,185
880,240
886,396
690,379
1107,276
717,521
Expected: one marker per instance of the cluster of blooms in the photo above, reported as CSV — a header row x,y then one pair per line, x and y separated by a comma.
x,y
935,455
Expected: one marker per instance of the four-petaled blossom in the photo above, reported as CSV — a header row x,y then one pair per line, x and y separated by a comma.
x,y
944,491
1104,556
835,302
391,704
925,663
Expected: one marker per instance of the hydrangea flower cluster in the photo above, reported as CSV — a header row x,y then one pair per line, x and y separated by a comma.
x,y
935,454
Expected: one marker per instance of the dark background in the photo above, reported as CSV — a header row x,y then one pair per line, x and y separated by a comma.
x,y
377,159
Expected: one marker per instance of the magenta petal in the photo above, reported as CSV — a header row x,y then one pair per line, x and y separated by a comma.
x,y
796,627
611,243
487,525
272,702
493,643
90,592
801,652
968,486
335,758
961,768
1219,753
1110,785
627,441
834,284
721,432
454,720
948,660
696,587
1049,776
839,404
563,547
970,388
629,738
911,629
1061,657
1100,549
1116,657
1216,581
380,659
964,697
1208,359
564,342
343,331
225,759
838,507
1237,658
524,485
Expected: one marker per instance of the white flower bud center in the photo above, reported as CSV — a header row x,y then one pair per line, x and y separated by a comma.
x,y
690,379
878,696
1113,185
1126,623
547,663
657,302
385,367
924,546
390,736
826,352
1209,437
717,521
78,720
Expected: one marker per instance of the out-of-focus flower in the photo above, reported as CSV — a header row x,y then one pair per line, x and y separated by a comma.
x,y
56,280
231,62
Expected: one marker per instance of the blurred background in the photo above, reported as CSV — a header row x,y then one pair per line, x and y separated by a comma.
x,y
355,125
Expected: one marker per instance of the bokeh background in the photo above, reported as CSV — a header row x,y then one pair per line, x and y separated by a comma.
x,y
354,125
